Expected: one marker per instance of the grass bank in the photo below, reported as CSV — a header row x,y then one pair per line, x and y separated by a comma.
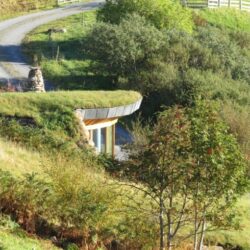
x,y
13,8
61,56
232,19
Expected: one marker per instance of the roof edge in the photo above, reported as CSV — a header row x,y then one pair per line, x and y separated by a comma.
x,y
106,113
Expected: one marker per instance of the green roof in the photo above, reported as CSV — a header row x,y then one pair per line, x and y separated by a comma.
x,y
30,104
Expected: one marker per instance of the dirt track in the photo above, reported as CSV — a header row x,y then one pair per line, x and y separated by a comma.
x,y
13,67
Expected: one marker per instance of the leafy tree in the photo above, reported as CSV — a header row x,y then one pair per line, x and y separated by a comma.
x,y
160,170
164,14
219,171
191,169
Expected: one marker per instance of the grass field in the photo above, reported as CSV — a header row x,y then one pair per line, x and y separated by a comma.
x,y
62,59
236,237
232,19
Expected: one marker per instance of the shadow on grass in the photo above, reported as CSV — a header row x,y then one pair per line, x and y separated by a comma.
x,y
69,49
72,82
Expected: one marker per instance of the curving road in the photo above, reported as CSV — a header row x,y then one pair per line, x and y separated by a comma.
x,y
13,67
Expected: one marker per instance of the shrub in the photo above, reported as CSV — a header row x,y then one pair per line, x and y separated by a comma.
x,y
164,14
123,50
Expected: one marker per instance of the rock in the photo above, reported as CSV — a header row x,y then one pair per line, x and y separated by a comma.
x,y
56,30
35,80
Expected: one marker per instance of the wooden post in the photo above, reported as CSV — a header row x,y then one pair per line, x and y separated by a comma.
x,y
240,4
229,3
218,3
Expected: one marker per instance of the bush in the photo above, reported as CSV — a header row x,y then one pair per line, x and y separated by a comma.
x,y
125,49
164,14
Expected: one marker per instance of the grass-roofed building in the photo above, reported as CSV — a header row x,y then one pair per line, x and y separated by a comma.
x,y
55,113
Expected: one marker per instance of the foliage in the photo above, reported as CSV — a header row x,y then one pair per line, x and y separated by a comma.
x,y
164,14
13,237
186,165
29,199
84,205
219,171
125,49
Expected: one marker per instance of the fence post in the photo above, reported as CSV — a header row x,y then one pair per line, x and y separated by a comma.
x,y
240,4
229,3
218,3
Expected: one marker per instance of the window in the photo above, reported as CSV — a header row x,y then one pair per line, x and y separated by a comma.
x,y
103,139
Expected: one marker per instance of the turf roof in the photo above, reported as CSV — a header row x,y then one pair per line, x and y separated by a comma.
x,y
30,104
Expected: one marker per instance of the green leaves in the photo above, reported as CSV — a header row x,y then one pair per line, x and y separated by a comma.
x,y
163,14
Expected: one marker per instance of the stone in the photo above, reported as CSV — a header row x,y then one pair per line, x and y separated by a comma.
x,y
35,80
56,30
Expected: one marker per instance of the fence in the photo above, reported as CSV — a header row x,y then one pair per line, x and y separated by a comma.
x,y
239,4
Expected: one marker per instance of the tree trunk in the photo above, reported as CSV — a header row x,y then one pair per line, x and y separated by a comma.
x,y
162,242
202,233
169,242
195,229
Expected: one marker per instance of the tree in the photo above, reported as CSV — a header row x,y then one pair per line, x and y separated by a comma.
x,y
191,169
163,14
160,170
219,170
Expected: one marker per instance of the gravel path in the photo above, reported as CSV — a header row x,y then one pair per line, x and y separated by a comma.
x,y
13,67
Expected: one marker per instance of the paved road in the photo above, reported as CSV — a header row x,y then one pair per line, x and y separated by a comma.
x,y
13,67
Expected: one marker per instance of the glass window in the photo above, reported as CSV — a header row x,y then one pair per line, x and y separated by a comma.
x,y
97,139
103,139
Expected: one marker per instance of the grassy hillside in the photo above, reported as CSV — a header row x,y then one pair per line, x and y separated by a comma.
x,y
44,165
62,172
87,206
62,59
13,8
232,19
234,237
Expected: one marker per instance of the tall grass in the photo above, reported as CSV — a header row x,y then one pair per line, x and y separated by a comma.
x,y
232,19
